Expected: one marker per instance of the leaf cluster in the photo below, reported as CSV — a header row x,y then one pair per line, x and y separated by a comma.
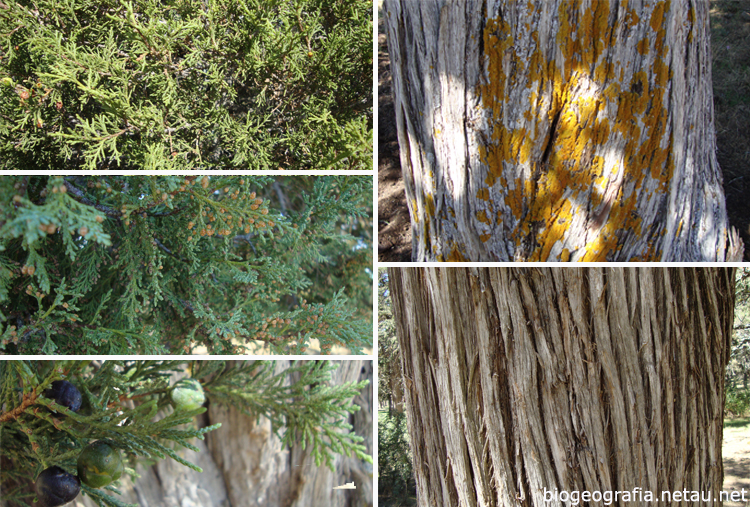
x,y
309,410
186,84
147,264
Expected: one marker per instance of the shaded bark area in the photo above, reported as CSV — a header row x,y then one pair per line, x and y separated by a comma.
x,y
525,380
394,224
245,465
552,130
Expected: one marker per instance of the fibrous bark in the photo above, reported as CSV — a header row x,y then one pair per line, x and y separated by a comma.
x,y
526,381
558,130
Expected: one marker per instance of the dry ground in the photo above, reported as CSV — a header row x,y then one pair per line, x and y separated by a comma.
x,y
736,457
730,42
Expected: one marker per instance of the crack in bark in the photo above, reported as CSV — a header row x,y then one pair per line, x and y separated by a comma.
x,y
544,161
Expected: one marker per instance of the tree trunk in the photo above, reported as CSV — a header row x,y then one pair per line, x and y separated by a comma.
x,y
397,395
526,381
245,465
558,130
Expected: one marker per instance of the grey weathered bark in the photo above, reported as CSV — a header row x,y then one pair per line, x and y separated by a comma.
x,y
585,379
397,395
244,464
558,130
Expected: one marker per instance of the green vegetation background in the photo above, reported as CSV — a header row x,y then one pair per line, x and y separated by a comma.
x,y
730,46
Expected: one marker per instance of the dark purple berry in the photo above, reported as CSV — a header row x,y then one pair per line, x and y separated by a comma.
x,y
55,486
65,394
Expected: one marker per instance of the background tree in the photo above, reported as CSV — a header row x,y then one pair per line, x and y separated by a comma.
x,y
597,379
390,388
738,371
395,474
147,264
186,84
296,424
396,485
558,130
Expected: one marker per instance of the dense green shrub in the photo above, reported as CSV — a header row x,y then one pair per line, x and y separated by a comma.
x,y
185,84
737,401
167,264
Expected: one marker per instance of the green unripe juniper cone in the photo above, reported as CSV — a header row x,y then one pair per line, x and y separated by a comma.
x,y
99,464
55,486
187,394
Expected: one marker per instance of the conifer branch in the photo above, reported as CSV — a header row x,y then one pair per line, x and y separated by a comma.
x,y
219,243
27,401
126,405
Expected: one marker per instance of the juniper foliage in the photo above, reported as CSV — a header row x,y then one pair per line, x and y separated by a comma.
x,y
185,84
173,264
125,403
309,411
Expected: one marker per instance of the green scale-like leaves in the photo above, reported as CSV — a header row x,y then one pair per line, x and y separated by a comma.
x,y
186,84
147,264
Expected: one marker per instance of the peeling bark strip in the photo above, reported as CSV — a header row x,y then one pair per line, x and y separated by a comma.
x,y
558,130
585,379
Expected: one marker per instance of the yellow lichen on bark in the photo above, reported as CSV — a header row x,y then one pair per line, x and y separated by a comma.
x,y
554,231
657,17
514,199
456,254
595,24
430,205
497,40
631,16
643,46
482,217
573,95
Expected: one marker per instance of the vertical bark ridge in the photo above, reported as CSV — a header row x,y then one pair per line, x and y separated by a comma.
x,y
526,380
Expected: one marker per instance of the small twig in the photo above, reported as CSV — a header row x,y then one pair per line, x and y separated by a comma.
x,y
125,397
26,403
169,252
282,196
302,31
79,196
160,213
246,237
187,305
735,179
22,190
